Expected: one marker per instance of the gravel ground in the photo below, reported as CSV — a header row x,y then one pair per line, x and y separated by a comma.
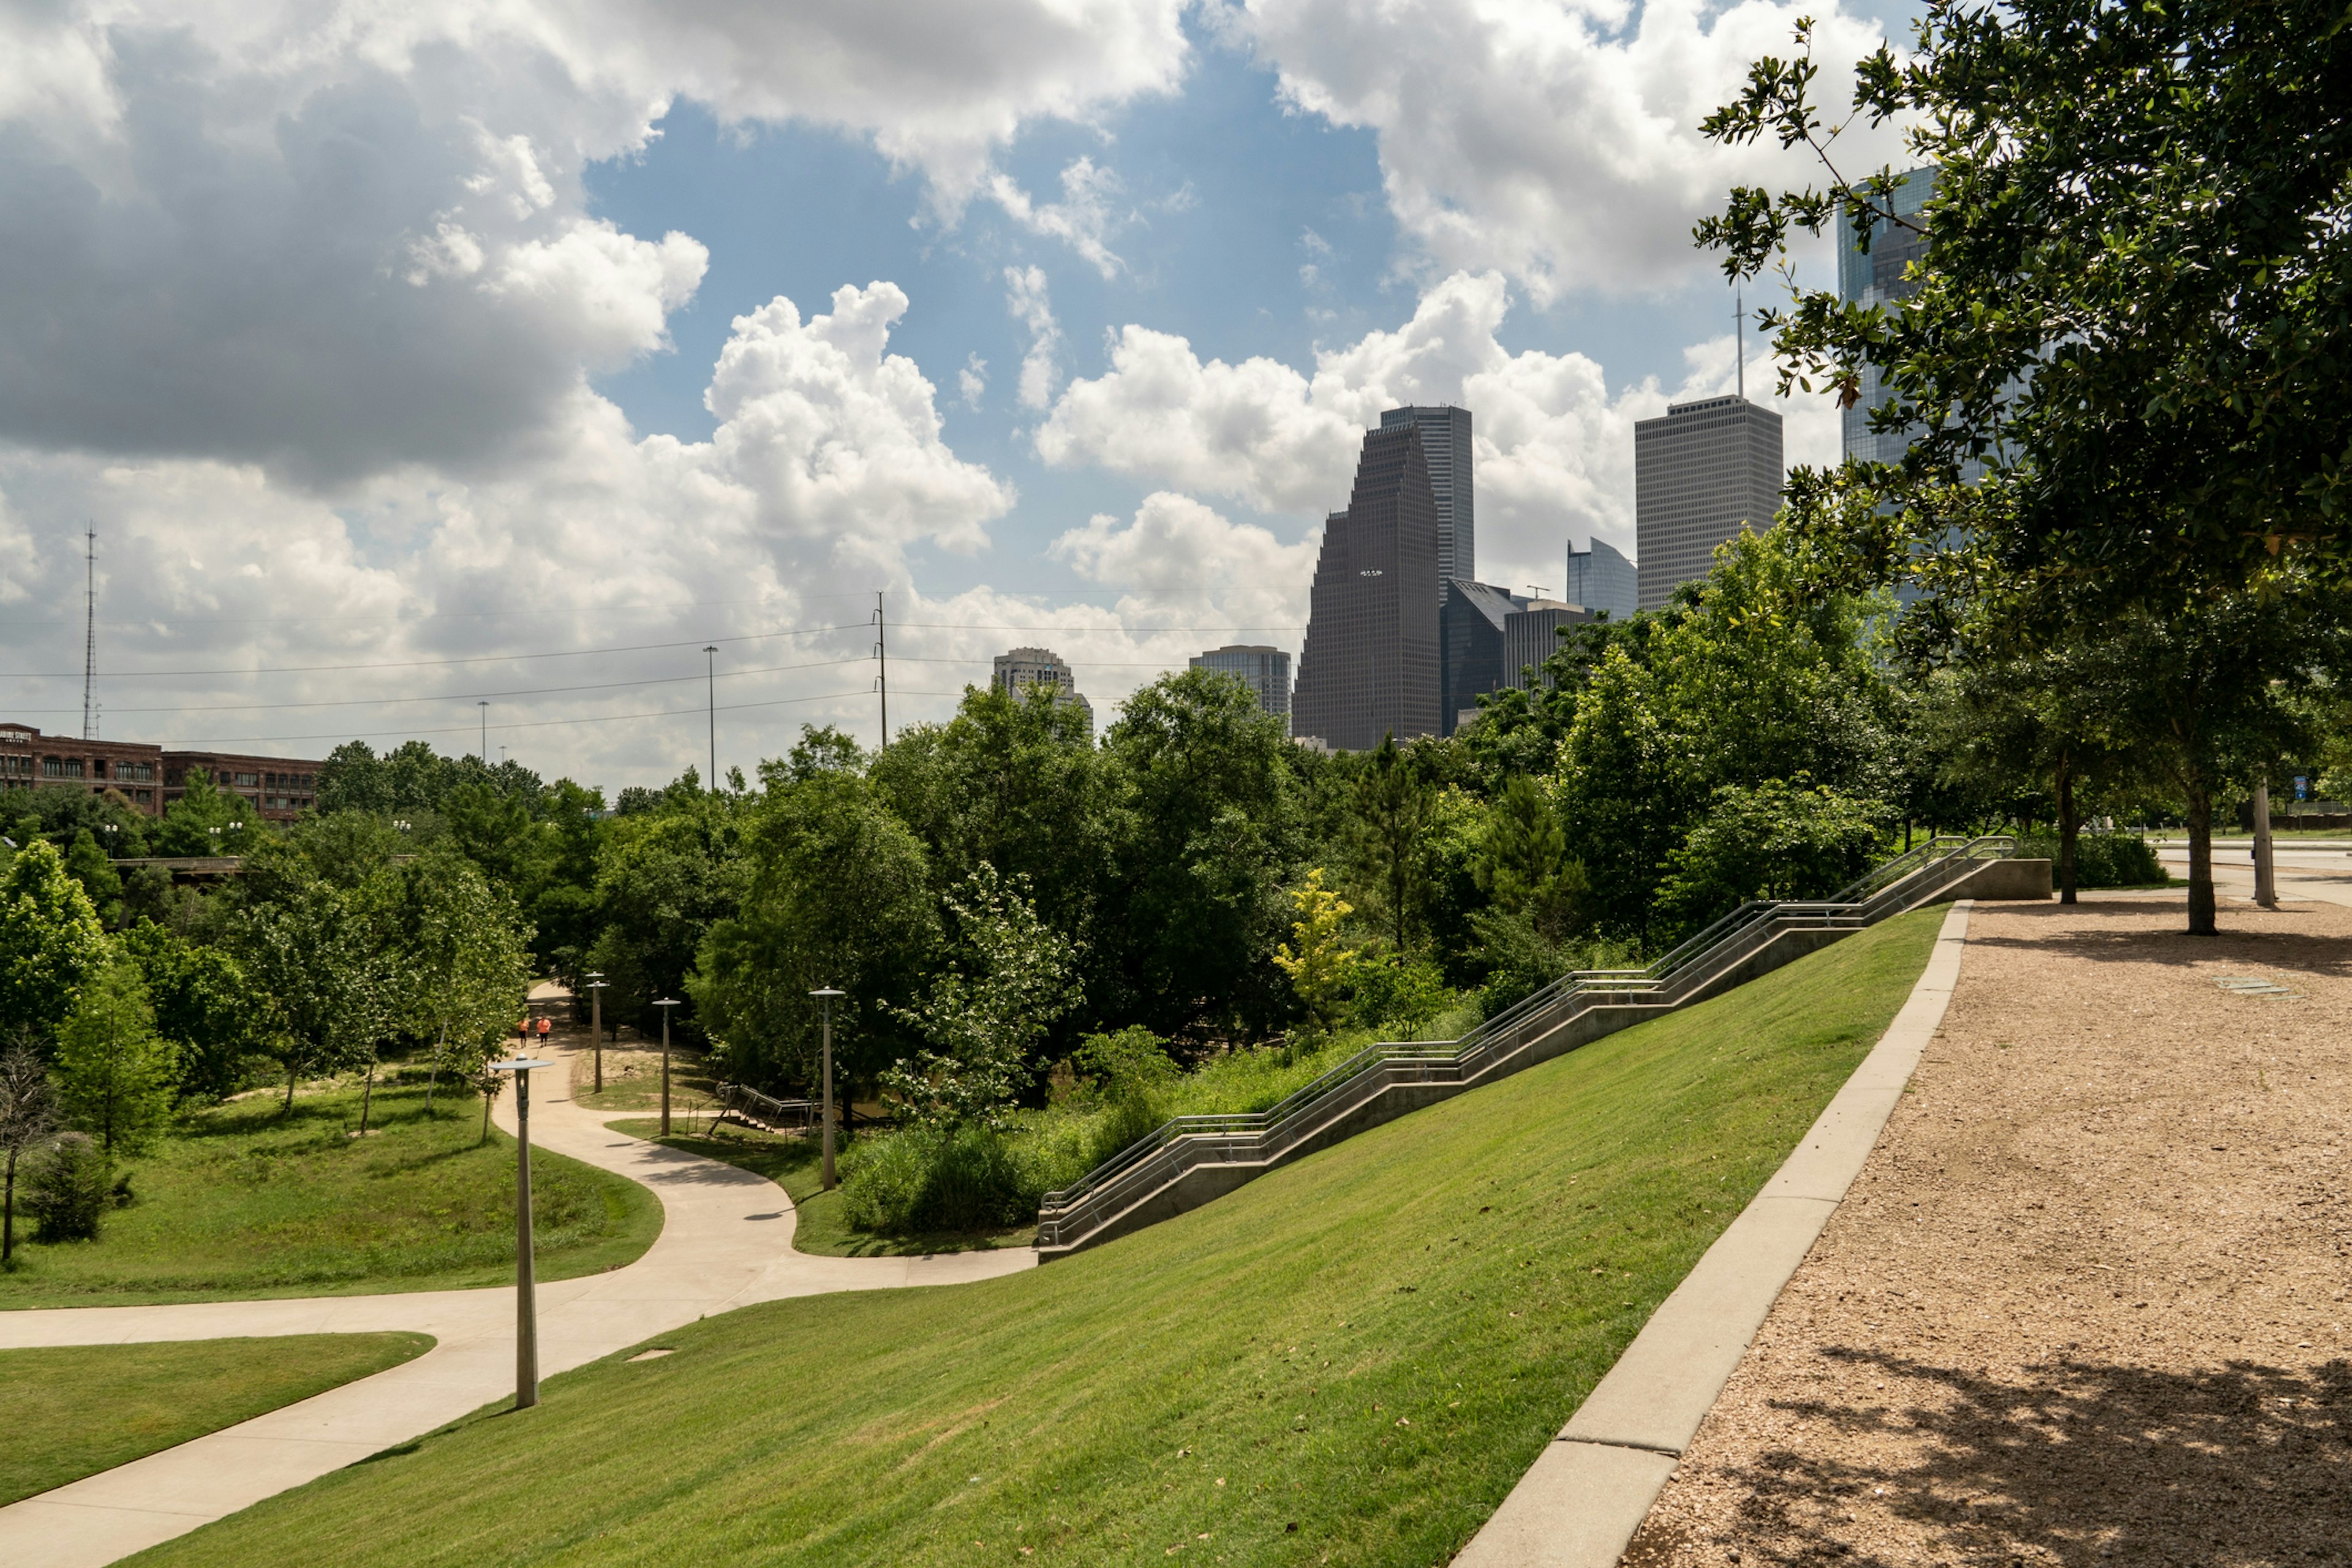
x,y
2086,1302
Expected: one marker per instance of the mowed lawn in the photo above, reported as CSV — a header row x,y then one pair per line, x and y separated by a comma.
x,y
246,1202
1350,1361
80,1409
795,1162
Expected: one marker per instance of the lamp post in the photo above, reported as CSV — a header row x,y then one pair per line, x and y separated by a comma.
x,y
666,1004
825,995
710,661
526,1293
596,1022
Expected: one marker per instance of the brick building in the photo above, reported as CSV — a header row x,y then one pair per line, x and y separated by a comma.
x,y
151,777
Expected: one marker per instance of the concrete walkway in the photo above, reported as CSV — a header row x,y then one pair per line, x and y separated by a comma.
x,y
726,1242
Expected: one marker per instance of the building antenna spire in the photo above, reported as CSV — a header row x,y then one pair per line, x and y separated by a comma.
x,y
90,625
1739,334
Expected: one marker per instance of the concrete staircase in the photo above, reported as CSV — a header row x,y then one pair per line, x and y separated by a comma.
x,y
1192,1160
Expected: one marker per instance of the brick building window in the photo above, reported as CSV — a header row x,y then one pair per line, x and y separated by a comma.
x,y
62,767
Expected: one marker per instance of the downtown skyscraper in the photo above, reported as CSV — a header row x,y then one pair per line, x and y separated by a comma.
x,y
1446,447
1371,666
1701,473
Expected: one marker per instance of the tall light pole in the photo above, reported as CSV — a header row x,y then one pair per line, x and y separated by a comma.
x,y
525,1287
666,1004
596,1022
825,995
710,674
2265,866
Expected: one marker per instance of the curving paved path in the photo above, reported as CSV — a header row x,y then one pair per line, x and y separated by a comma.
x,y
726,1242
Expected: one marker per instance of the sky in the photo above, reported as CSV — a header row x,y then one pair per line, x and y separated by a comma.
x,y
541,379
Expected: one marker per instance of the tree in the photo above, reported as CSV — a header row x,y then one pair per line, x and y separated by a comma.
x,y
116,1078
1779,839
86,863
662,877
1392,811
29,1113
204,1005
2132,300
1208,821
316,960
463,959
1313,958
1523,866
987,1009
205,820
838,894
50,941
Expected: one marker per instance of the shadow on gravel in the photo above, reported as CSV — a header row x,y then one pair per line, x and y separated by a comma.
x,y
2297,951
2092,1464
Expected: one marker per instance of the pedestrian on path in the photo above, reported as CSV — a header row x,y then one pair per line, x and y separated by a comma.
x,y
545,1025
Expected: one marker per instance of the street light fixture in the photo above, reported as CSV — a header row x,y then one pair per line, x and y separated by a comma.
x,y
596,1022
526,1291
666,1004
825,995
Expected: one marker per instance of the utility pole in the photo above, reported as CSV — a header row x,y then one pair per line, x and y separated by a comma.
x,y
90,625
710,672
484,704
882,657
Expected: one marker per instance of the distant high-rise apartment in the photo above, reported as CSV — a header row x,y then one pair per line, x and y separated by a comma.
x,y
1470,627
1023,668
1701,472
1446,446
1370,665
1875,277
1601,578
1264,671
1531,635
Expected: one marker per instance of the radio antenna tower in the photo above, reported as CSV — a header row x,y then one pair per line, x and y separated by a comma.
x,y
1739,334
90,626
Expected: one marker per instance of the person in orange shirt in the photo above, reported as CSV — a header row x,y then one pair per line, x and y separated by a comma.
x,y
545,1025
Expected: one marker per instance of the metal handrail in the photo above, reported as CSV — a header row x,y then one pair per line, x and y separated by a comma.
x,y
1186,1142
750,1104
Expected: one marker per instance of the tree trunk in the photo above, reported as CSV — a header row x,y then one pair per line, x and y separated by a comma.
x,y
9,1212
486,1118
2067,828
433,1074
367,1099
2200,863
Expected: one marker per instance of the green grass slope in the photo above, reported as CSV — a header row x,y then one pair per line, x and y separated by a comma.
x,y
242,1202
80,1409
1350,1361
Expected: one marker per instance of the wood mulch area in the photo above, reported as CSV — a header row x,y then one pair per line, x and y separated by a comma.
x,y
2086,1302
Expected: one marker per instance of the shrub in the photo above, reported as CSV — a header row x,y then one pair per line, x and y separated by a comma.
x,y
2101,860
1784,838
927,1179
1399,997
67,1190
1131,1075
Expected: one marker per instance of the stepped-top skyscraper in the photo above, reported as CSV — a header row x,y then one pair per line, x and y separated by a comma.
x,y
1446,446
1369,668
1701,473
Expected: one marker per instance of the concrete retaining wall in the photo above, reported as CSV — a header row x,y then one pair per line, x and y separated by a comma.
x,y
2003,880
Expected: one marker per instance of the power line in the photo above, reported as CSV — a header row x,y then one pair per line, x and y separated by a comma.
x,y
444,663
204,740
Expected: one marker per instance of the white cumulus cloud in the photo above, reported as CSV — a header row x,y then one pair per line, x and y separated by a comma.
x,y
1557,143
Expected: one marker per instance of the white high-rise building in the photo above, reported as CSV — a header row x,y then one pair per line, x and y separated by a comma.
x,y
1023,668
